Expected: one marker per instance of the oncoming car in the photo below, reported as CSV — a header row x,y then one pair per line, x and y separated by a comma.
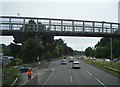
x,y
76,65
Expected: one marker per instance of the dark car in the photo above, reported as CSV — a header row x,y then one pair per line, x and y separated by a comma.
x,y
24,69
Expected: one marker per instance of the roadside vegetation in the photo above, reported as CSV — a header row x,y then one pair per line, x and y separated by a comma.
x,y
103,49
9,75
110,67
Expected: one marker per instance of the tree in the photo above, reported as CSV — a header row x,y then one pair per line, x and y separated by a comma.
x,y
15,49
5,49
31,49
88,51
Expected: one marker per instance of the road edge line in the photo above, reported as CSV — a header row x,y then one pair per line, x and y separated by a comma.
x,y
28,80
48,77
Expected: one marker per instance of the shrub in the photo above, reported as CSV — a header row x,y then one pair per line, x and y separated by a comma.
x,y
10,74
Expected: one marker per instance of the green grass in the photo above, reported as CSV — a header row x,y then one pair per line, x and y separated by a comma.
x,y
102,65
10,74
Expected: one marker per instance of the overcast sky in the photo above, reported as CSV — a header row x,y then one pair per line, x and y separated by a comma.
x,y
95,10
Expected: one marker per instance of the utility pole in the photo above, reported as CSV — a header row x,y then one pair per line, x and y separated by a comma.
x,y
111,49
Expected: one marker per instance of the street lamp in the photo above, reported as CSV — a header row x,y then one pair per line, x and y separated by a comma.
x,y
111,49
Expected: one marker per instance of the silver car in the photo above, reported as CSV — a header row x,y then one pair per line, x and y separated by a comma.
x,y
76,65
63,62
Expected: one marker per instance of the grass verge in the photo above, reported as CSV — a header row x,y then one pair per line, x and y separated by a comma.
x,y
110,67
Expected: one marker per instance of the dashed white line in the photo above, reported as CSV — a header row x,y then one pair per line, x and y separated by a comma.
x,y
70,71
89,73
71,79
53,69
70,76
96,79
100,82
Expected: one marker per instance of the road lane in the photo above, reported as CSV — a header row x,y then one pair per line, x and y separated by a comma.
x,y
86,75
81,77
103,76
60,76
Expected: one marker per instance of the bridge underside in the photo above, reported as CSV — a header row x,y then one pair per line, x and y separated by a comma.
x,y
58,33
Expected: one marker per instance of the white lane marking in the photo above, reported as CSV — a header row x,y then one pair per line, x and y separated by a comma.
x,y
70,71
39,77
100,82
53,69
89,73
48,77
97,79
70,76
71,79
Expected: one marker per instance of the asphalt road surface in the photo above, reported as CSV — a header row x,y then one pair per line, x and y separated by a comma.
x,y
86,75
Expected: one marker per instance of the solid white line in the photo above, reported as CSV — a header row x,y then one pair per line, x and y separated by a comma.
x,y
100,82
25,82
48,77
71,79
31,78
89,73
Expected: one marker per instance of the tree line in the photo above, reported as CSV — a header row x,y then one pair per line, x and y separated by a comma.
x,y
103,48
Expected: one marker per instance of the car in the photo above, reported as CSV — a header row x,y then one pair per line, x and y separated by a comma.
x,y
24,69
107,60
116,60
90,58
76,65
71,59
64,57
94,58
63,62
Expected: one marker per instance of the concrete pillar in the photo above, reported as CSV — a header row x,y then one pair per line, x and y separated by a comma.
x,y
119,17
61,25
119,12
10,24
73,26
93,25
49,25
83,26
37,26
23,25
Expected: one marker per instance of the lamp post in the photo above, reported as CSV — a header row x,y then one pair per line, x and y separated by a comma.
x,y
111,49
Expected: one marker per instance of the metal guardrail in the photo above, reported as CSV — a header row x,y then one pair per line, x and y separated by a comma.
x,y
27,24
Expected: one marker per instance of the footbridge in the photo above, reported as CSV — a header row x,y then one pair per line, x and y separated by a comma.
x,y
11,25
